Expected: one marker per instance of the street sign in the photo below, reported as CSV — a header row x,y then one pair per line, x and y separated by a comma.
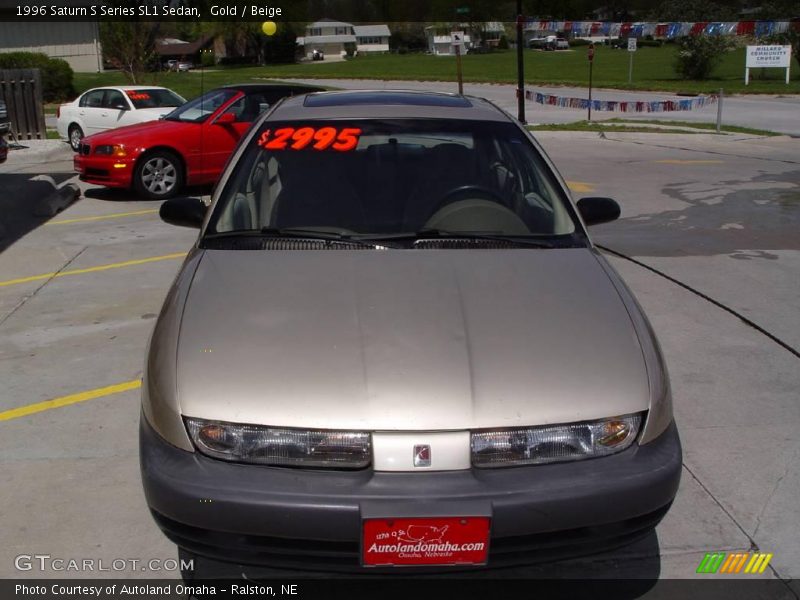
x,y
590,53
631,50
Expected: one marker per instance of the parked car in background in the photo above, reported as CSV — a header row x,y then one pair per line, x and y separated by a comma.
x,y
537,43
182,66
317,55
189,146
5,122
394,345
105,108
562,44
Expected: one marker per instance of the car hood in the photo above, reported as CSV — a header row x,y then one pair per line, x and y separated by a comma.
x,y
141,133
407,340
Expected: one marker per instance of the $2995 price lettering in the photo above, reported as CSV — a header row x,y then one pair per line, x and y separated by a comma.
x,y
323,138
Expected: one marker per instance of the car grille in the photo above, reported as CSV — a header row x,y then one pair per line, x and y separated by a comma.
x,y
96,173
85,149
345,555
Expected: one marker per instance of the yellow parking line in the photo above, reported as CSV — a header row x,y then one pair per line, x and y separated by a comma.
x,y
675,161
30,409
119,265
149,211
580,186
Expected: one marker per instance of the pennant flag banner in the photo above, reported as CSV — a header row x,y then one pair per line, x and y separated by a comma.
x,y
661,30
649,106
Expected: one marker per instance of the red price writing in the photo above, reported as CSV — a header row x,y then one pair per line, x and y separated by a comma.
x,y
134,95
324,138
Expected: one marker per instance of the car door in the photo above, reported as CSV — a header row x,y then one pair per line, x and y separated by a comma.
x,y
90,110
221,138
117,110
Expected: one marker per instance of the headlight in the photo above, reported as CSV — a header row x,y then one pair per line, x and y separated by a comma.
x,y
278,446
553,443
115,150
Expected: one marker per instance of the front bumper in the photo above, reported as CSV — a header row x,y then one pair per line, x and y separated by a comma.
x,y
311,519
104,170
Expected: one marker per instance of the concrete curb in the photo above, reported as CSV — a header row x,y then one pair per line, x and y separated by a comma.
x,y
51,199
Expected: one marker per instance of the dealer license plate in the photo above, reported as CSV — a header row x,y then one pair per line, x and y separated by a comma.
x,y
425,541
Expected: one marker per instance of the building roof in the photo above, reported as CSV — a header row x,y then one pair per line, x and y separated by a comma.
x,y
372,30
328,23
329,39
494,26
182,48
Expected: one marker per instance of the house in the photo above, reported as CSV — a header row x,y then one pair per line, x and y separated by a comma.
x,y
372,38
170,48
492,32
334,38
440,39
77,42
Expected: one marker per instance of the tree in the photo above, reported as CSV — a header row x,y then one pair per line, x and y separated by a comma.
x,y
698,55
129,46
693,10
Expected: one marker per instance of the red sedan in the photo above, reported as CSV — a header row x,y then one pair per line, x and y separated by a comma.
x,y
189,146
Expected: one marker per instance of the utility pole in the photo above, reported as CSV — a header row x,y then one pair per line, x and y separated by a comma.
x,y
590,56
520,67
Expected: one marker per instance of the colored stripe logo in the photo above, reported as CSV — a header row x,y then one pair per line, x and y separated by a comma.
x,y
735,562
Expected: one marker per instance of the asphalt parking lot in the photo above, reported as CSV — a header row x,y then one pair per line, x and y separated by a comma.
x,y
716,217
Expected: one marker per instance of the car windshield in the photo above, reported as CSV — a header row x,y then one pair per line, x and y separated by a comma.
x,y
199,109
154,98
393,178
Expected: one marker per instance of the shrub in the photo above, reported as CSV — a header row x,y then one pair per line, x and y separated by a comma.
x,y
56,73
698,55
502,44
651,43
579,42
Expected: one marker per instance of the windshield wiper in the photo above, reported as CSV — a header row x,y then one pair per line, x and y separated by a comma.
x,y
296,232
426,234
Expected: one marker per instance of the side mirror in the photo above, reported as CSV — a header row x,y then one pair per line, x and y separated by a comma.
x,y
598,210
184,212
225,119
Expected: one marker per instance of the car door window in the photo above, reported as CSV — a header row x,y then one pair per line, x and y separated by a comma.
x,y
247,108
114,100
93,99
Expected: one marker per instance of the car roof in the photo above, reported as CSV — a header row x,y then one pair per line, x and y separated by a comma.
x,y
256,87
371,104
123,88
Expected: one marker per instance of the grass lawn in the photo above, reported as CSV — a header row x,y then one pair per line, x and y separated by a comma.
x,y
653,70
641,126
698,125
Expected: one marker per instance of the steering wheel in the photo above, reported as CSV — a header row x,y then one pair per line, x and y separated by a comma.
x,y
468,192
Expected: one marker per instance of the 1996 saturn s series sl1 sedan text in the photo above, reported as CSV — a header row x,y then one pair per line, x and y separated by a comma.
x,y
394,344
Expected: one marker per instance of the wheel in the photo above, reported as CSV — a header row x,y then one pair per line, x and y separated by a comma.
x,y
75,134
158,175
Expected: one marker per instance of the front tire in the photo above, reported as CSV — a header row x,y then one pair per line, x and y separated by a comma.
x,y
159,175
75,134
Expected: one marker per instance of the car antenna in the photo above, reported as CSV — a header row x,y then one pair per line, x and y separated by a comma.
x,y
202,124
